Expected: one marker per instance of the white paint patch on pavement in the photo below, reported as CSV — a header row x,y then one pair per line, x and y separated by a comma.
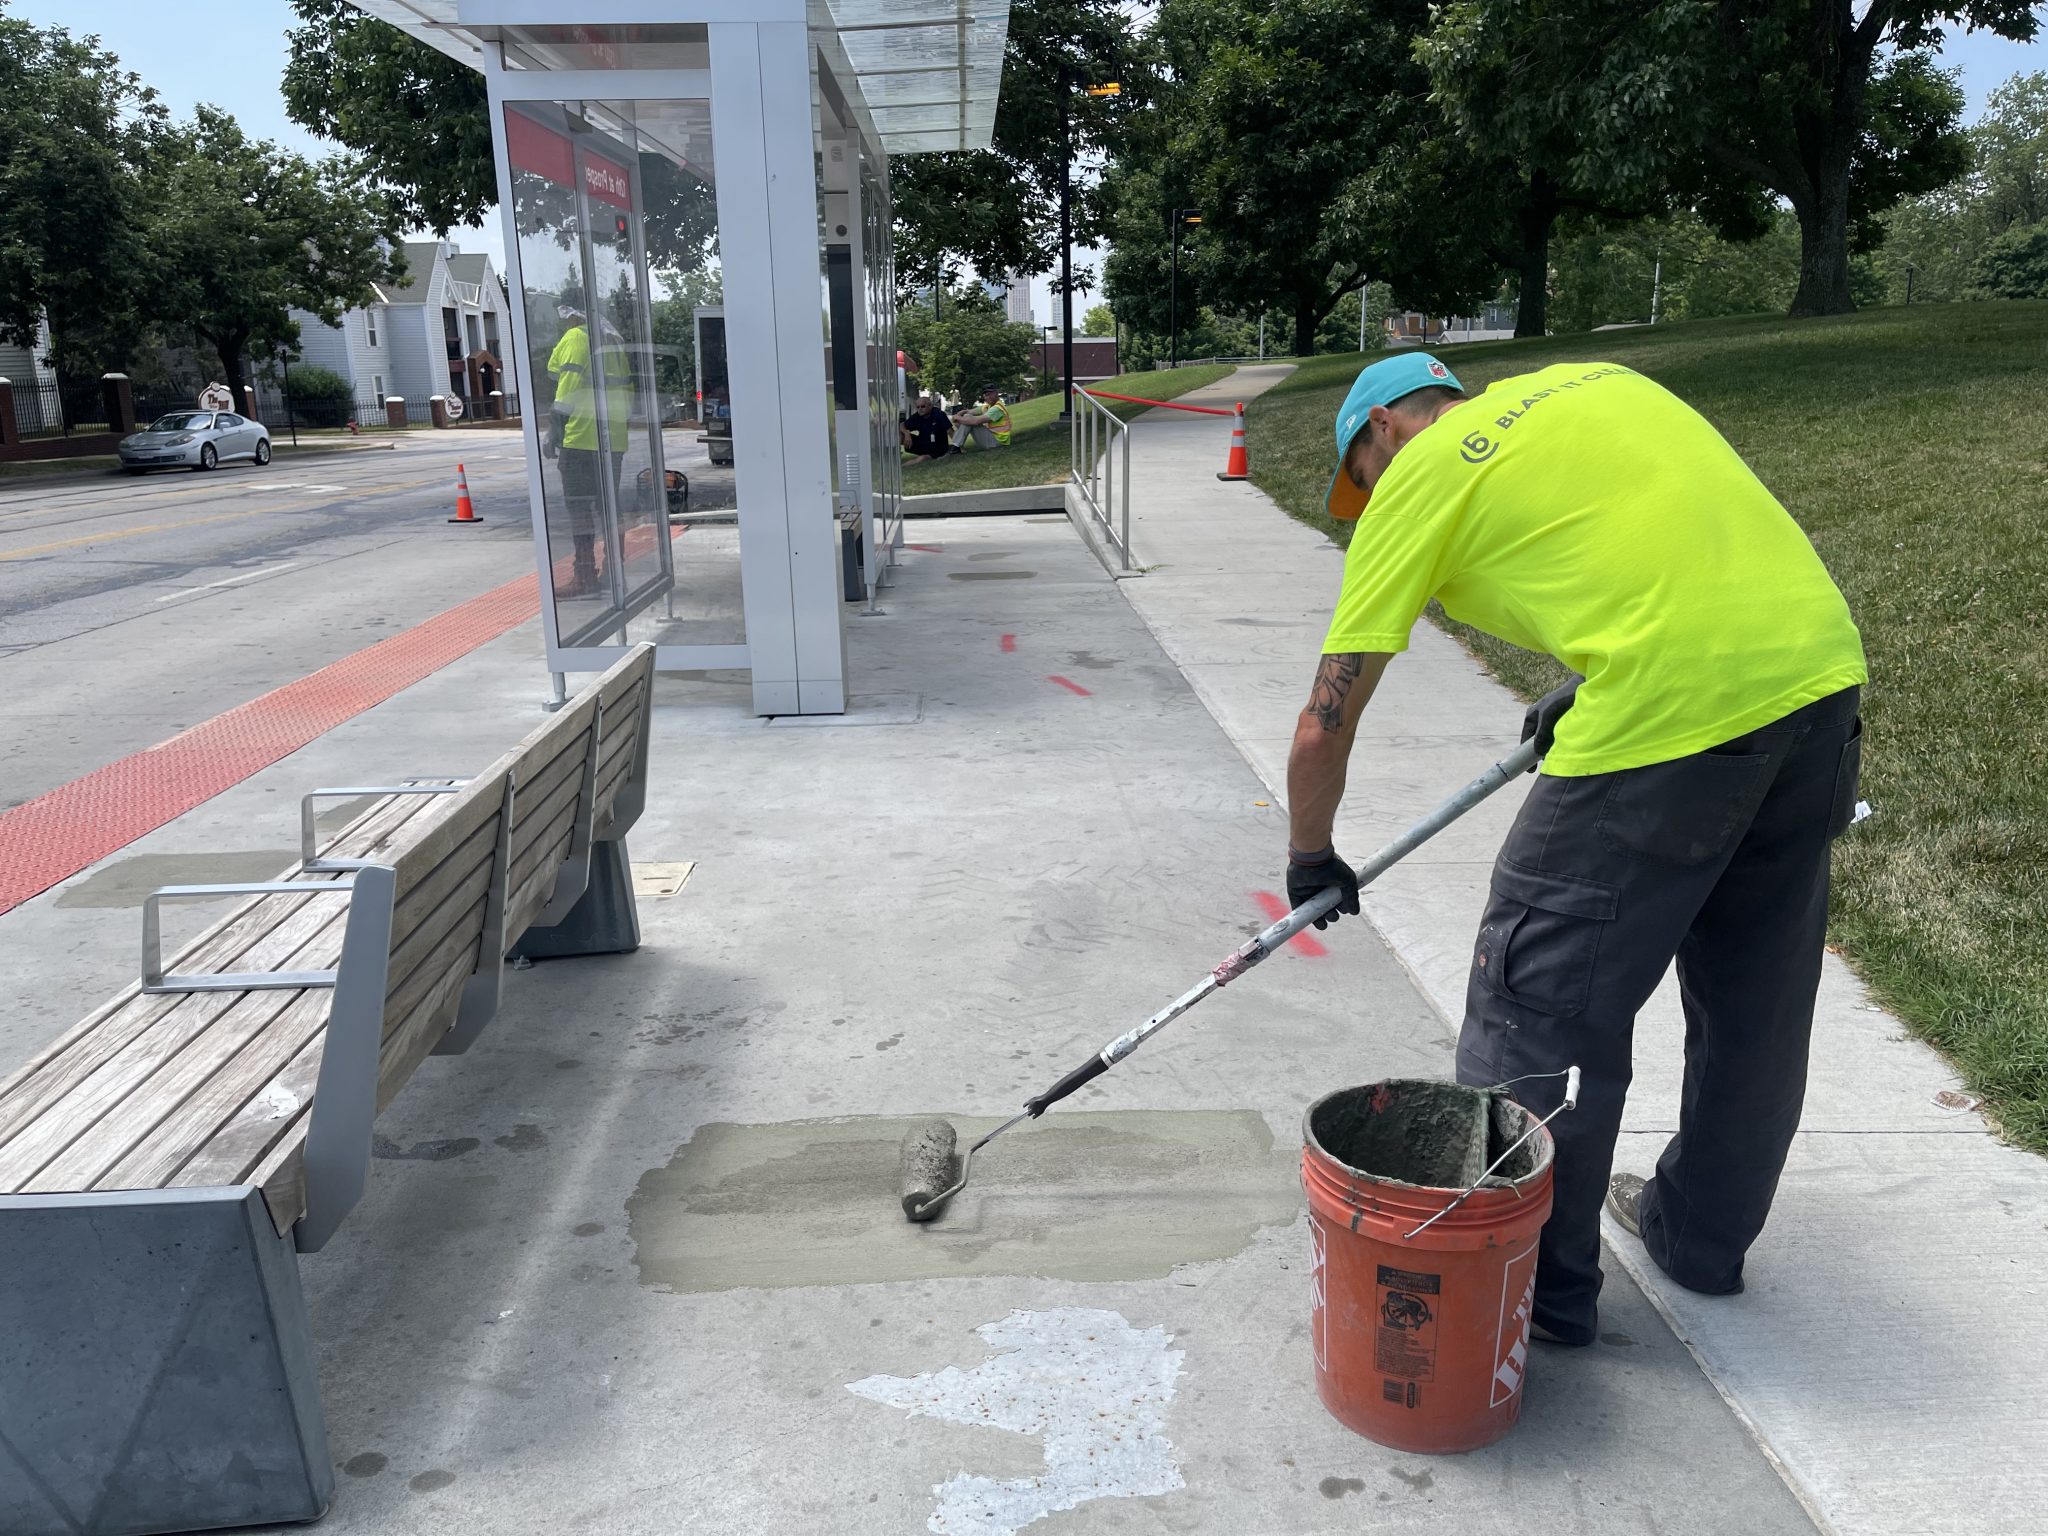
x,y
231,581
1092,1385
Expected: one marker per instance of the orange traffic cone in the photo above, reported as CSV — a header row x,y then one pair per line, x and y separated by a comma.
x,y
1236,468
464,511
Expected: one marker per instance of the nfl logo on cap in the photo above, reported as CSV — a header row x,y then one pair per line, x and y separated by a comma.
x,y
1438,370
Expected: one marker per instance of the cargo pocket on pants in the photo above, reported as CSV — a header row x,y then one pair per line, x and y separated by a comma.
x,y
1540,938
1848,771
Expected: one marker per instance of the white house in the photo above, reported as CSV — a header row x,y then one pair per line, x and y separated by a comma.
x,y
440,330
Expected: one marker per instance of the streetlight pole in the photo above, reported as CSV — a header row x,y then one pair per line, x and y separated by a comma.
x,y
1066,247
1180,216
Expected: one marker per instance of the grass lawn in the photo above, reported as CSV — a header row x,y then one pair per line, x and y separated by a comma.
x,y
1038,452
1912,445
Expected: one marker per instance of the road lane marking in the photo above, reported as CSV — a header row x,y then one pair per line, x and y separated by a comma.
x,y
125,533
268,570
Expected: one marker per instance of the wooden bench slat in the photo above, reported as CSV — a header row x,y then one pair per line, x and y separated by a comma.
x,y
116,1080
534,882
228,1087
228,944
460,912
549,817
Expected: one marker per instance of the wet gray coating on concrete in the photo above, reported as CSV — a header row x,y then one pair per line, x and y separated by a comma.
x,y
1114,1195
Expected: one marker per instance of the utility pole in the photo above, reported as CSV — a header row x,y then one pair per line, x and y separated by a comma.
x,y
1910,270
1364,294
1656,284
1262,335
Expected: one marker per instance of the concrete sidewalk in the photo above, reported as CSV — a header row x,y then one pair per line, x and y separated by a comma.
x,y
1887,1349
635,1265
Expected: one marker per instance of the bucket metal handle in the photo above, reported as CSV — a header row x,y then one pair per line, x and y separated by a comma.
x,y
1571,1101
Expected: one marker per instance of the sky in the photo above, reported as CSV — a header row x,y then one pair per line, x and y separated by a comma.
x,y
231,53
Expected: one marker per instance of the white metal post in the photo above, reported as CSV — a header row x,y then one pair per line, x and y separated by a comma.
x,y
768,244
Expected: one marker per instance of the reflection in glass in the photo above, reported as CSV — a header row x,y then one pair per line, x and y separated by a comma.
x,y
613,212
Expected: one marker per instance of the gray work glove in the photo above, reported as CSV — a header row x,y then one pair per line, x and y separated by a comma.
x,y
1307,881
1540,720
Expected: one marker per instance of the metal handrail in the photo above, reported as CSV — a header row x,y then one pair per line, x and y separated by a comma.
x,y
1092,443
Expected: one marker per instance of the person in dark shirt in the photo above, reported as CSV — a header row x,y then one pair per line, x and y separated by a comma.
x,y
927,432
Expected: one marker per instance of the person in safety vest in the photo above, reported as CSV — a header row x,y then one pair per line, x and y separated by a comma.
x,y
584,461
989,422
1690,787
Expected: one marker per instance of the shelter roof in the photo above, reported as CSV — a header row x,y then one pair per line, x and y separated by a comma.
x,y
927,71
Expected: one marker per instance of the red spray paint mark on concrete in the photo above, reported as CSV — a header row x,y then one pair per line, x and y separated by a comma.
x,y
1070,685
1275,909
927,549
1009,644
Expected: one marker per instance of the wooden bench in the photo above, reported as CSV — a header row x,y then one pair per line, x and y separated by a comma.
x,y
160,1163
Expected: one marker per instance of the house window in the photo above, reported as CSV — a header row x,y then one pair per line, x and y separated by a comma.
x,y
379,382
372,316
491,334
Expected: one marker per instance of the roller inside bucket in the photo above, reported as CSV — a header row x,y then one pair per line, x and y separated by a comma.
x,y
1428,1134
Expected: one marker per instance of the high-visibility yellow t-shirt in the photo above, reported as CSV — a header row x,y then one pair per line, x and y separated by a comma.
x,y
569,365
997,419
1587,512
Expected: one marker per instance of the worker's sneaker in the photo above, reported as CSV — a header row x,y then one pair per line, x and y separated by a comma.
x,y
1625,1200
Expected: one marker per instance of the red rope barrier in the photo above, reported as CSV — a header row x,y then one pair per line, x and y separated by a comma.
x,y
1204,410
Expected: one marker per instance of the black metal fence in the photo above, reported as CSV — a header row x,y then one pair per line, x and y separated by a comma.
x,y
43,408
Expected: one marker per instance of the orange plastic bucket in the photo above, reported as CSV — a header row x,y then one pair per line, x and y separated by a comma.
x,y
1421,1342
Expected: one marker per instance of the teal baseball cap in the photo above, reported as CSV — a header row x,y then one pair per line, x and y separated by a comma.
x,y
1382,383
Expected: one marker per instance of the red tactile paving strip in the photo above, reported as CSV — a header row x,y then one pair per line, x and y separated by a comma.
x,y
54,836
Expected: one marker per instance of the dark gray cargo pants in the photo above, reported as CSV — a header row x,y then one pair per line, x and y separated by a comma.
x,y
1719,860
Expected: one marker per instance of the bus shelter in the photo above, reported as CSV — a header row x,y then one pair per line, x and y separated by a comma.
x,y
697,229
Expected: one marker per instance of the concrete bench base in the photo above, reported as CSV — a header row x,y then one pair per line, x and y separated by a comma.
x,y
156,1367
604,920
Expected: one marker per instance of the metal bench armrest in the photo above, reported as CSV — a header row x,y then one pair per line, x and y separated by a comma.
x,y
153,977
309,854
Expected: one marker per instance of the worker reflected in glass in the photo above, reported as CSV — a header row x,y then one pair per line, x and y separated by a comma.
x,y
589,457
926,432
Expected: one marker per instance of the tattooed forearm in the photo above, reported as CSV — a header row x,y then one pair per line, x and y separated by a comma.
x,y
1333,686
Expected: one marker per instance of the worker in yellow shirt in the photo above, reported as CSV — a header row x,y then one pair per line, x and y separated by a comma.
x,y
1689,793
584,462
989,422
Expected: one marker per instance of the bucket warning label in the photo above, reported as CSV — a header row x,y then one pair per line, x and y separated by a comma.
x,y
1511,1341
1404,1343
1318,1322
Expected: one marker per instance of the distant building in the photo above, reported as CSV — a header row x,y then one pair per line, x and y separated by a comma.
x,y
1094,360
1017,301
1411,328
23,367
439,330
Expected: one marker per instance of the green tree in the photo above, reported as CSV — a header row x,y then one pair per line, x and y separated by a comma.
x,y
675,331
241,233
971,346
1301,130
1841,112
419,118
1099,321
2013,265
1605,272
71,123
1937,238
997,209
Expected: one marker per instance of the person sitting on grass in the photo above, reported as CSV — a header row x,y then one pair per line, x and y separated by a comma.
x,y
989,422
925,432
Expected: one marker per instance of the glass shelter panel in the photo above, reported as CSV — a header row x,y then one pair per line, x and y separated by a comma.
x,y
615,224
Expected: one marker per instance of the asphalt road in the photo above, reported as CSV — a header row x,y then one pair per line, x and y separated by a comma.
x,y
131,608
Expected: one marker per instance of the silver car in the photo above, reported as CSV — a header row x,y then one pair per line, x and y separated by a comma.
x,y
195,440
